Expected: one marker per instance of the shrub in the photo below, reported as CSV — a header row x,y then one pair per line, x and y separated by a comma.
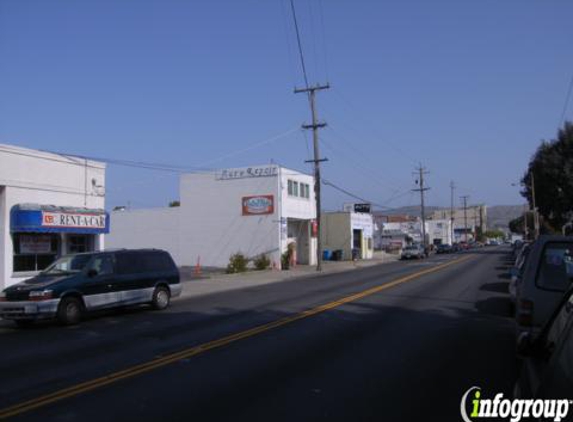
x,y
237,263
262,262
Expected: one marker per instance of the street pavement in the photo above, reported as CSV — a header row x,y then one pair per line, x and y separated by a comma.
x,y
399,341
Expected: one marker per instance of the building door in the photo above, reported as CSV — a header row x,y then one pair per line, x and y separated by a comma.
x,y
357,243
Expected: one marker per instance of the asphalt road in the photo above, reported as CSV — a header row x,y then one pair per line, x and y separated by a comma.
x,y
380,343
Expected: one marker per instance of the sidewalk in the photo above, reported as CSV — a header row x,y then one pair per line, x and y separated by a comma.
x,y
219,282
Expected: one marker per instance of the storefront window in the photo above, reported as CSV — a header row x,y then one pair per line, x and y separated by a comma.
x,y
79,244
34,252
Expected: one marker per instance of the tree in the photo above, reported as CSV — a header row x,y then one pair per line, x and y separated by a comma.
x,y
552,169
175,204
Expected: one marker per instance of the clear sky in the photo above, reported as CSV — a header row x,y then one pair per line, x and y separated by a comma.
x,y
467,87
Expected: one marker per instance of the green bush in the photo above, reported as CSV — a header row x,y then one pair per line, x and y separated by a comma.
x,y
237,264
262,262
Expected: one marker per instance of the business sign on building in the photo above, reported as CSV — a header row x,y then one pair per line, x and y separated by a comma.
x,y
35,244
61,219
258,205
362,208
248,172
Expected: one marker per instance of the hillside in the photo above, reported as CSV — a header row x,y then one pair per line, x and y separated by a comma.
x,y
497,215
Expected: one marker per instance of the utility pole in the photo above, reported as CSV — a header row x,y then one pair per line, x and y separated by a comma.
x,y
465,199
535,214
311,91
452,188
421,172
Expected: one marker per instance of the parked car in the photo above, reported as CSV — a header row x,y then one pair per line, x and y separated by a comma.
x,y
413,251
80,283
517,271
546,372
444,248
543,283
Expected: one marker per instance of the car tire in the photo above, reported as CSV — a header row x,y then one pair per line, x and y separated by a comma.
x,y
69,311
161,298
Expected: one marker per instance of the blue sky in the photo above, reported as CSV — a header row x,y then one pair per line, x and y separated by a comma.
x,y
468,88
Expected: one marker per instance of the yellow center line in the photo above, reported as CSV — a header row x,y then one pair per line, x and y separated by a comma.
x,y
202,348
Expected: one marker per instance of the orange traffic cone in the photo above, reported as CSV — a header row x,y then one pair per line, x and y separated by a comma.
x,y
198,266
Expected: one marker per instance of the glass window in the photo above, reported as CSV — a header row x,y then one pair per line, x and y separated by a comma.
x,y
34,252
295,188
552,273
128,263
103,264
290,188
78,244
68,264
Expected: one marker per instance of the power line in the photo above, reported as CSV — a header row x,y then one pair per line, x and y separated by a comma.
x,y
355,196
566,105
299,43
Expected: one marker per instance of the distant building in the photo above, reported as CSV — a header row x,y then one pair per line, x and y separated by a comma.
x,y
348,230
253,210
472,221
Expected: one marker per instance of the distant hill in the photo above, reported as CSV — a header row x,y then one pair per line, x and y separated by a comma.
x,y
497,215
501,215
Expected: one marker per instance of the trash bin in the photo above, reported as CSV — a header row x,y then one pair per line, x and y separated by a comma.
x,y
326,255
337,255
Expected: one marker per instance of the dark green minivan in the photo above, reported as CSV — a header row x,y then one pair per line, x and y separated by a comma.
x,y
84,282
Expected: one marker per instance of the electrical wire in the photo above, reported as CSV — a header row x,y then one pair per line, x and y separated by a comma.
x,y
299,44
566,105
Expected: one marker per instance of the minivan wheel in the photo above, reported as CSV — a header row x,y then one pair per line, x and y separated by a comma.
x,y
161,298
69,311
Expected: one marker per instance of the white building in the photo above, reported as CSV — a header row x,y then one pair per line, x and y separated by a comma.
x,y
252,210
398,234
50,205
439,232
348,230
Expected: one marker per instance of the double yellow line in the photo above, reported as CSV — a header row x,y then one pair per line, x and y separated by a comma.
x,y
202,348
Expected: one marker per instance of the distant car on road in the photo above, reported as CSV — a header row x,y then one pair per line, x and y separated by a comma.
x,y
84,282
413,251
444,248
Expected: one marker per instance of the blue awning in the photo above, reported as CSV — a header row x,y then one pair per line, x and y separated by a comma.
x,y
34,218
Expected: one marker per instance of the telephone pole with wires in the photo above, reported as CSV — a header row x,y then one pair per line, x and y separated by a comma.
x,y
420,181
465,200
452,218
315,126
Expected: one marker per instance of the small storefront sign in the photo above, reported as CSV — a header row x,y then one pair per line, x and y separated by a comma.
x,y
364,208
249,172
35,244
258,205
61,219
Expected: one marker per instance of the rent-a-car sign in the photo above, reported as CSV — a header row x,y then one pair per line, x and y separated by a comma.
x,y
258,205
60,219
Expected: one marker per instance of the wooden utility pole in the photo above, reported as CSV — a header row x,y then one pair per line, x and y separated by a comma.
x,y
421,172
452,188
535,213
465,199
311,91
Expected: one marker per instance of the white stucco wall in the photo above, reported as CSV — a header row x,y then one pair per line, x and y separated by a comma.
x,y
209,224
31,176
146,228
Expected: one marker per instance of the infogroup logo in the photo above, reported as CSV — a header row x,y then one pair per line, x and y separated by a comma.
x,y
514,409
